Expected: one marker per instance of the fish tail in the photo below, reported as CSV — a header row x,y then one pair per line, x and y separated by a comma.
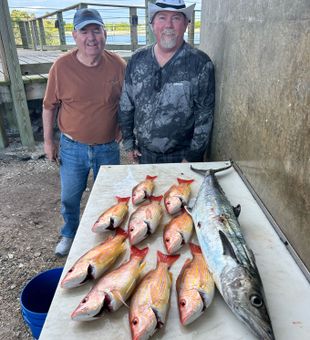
x,y
195,249
122,199
169,259
121,232
211,171
151,177
136,252
156,198
182,180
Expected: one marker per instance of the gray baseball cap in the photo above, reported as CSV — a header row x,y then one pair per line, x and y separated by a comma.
x,y
86,16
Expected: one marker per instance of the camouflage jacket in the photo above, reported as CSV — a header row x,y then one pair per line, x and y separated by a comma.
x,y
170,108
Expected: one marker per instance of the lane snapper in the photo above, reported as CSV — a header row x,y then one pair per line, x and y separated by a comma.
x,y
112,217
231,262
113,289
150,302
178,195
143,190
195,287
178,232
145,220
96,261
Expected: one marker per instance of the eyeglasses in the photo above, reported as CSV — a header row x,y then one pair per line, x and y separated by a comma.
x,y
158,80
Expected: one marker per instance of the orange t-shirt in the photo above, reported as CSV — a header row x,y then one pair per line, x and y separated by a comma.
x,y
87,97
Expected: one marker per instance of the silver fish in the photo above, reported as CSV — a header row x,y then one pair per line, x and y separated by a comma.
x,y
231,262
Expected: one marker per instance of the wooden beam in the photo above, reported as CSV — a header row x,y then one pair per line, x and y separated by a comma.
x,y
35,35
41,68
23,34
9,54
133,28
191,30
3,137
61,30
42,33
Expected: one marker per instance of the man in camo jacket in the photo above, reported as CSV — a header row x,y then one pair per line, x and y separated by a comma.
x,y
167,101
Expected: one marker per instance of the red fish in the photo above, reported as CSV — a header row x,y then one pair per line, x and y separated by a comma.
x,y
145,220
150,302
143,190
112,217
96,261
113,289
178,196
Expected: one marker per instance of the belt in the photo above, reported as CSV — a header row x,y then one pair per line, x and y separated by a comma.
x,y
76,141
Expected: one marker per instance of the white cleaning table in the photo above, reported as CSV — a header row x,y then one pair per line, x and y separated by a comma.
x,y
286,288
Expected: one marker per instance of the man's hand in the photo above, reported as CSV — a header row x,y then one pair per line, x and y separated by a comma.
x,y
133,156
51,151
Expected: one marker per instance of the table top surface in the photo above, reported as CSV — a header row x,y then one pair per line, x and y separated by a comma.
x,y
286,288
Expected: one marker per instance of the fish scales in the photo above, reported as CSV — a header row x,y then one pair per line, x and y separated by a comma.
x,y
230,261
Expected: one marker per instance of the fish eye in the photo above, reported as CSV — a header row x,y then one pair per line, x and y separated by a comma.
x,y
135,321
256,301
84,300
132,229
167,239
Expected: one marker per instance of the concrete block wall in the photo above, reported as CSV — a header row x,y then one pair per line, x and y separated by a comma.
x,y
261,52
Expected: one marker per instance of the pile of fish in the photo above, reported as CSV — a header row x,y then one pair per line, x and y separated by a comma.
x,y
222,259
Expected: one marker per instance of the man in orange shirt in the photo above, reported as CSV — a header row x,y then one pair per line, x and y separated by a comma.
x,y
84,87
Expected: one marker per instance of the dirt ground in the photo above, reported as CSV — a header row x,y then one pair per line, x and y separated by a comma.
x,y
30,222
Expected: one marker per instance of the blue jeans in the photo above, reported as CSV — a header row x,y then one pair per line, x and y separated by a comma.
x,y
76,160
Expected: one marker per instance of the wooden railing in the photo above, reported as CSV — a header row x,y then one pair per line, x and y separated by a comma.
x,y
33,33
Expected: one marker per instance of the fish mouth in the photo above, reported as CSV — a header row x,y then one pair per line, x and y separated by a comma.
x,y
262,328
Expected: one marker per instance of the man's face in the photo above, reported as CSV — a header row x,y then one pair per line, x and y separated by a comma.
x,y
90,40
169,29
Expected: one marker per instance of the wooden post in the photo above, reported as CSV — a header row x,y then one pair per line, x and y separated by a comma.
x,y
28,34
3,136
42,33
61,31
191,30
35,35
133,28
23,34
150,39
9,55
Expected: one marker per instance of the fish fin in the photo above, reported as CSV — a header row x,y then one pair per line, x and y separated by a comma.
x,y
227,247
237,210
118,295
188,181
122,199
195,249
169,259
151,177
156,198
136,252
206,172
122,232
188,209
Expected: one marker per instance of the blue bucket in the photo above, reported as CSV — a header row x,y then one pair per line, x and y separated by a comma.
x,y
36,298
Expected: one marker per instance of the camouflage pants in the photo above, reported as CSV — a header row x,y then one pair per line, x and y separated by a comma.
x,y
150,157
